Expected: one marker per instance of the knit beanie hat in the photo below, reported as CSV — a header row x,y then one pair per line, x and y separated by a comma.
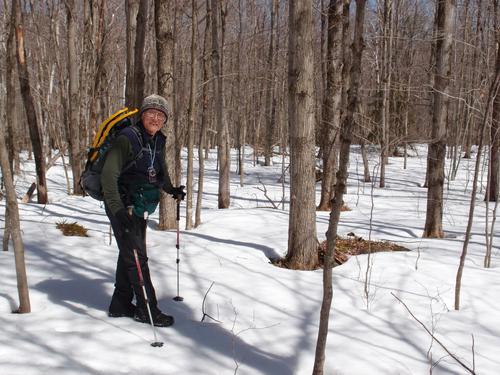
x,y
155,102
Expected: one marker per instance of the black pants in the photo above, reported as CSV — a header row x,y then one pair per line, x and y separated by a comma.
x,y
127,277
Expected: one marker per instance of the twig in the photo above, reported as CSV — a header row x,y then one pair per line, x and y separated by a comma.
x,y
473,354
264,190
203,306
436,339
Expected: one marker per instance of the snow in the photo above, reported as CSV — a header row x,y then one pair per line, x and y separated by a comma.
x,y
268,316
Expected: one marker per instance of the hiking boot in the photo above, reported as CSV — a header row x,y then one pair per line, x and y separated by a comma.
x,y
159,319
125,313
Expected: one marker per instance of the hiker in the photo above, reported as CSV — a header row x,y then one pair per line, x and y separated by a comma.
x,y
131,187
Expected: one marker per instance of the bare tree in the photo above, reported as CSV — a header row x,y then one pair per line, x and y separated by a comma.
x,y
164,50
192,91
10,93
140,37
493,92
204,114
29,106
12,207
331,101
74,130
437,148
270,96
302,243
345,143
222,130
131,12
494,159
385,84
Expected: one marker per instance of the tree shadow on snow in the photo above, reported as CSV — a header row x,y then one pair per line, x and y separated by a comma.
x,y
211,337
269,252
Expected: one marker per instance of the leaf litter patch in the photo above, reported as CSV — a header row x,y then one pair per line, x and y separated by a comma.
x,y
348,246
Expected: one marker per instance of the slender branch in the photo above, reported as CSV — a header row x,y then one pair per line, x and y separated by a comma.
x,y
436,339
264,190
203,306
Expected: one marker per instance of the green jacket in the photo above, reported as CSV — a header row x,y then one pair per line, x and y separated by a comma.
x,y
115,181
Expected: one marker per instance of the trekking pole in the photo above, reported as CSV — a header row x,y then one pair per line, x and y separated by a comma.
x,y
178,298
155,343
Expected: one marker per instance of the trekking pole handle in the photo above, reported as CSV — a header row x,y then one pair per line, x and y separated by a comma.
x,y
178,210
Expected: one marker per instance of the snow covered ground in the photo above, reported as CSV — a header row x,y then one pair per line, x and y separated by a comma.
x,y
269,316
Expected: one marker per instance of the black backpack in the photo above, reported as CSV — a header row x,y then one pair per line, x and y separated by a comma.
x,y
90,180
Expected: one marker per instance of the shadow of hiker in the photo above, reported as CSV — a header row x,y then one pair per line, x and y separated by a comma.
x,y
80,290
213,337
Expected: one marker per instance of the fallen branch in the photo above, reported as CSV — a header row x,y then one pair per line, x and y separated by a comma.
x,y
472,371
203,306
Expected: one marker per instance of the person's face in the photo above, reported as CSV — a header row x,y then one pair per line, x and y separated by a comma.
x,y
153,120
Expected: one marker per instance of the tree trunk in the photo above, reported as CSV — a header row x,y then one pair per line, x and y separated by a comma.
x,y
204,117
164,51
270,125
10,109
29,106
140,38
493,92
437,147
331,101
22,280
131,13
241,124
345,141
493,177
189,201
386,84
302,244
74,132
222,130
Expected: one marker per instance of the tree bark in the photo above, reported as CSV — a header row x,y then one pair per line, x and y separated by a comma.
x,y
189,184
11,93
164,51
493,177
204,116
222,130
331,101
437,147
29,106
139,75
12,207
302,244
345,141
270,118
74,132
131,13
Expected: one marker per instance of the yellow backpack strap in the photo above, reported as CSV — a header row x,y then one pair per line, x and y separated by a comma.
x,y
98,135
106,127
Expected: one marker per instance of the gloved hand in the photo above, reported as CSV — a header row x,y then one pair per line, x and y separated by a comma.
x,y
178,192
125,220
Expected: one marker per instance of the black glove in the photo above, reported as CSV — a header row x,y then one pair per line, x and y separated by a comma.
x,y
125,220
178,192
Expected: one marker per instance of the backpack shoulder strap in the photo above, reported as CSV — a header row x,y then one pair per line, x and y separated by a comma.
x,y
138,147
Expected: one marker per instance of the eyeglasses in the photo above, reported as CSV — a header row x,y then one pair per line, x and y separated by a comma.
x,y
155,116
